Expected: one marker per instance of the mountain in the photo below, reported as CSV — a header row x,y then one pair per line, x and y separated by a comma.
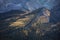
x,y
55,14
10,14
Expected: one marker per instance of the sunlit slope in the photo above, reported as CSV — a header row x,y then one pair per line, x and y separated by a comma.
x,y
15,19
27,26
22,22
20,19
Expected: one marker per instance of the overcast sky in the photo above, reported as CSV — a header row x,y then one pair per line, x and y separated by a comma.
x,y
7,5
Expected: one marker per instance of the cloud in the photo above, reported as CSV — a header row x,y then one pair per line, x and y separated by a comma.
x,y
25,4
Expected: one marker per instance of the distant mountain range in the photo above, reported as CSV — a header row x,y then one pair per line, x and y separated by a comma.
x,y
54,16
10,14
